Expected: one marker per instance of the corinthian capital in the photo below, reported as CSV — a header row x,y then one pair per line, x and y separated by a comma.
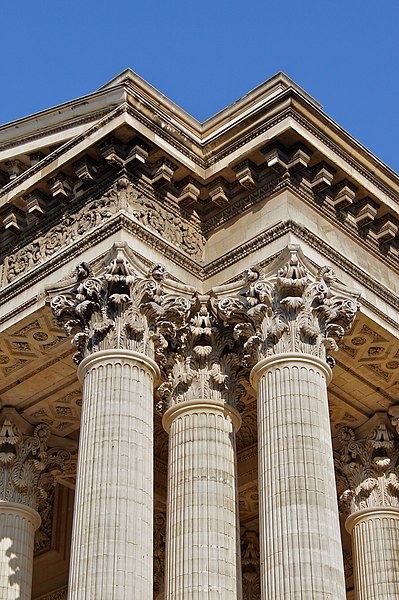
x,y
367,466
294,309
29,467
119,308
199,360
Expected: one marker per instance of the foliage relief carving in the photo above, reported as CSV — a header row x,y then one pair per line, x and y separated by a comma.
x,y
367,469
30,469
122,196
119,308
292,311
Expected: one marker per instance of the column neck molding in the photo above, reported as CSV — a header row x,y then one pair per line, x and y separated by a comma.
x,y
21,510
112,357
200,405
289,359
374,512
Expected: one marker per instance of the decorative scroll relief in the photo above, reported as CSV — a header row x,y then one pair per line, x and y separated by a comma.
x,y
57,595
294,310
159,550
71,228
250,565
367,468
120,308
199,361
122,196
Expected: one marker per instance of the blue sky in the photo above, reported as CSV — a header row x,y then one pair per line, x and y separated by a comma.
x,y
205,55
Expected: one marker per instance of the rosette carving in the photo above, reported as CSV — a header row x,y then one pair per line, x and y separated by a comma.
x,y
120,309
29,466
293,310
367,468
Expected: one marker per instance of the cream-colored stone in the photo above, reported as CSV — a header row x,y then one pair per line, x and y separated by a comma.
x,y
203,553
112,531
18,524
375,539
300,545
122,180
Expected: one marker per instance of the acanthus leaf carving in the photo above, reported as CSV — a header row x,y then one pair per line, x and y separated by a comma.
x,y
250,565
121,309
30,471
367,468
293,310
199,362
159,550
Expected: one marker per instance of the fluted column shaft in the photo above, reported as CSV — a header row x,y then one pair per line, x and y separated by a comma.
x,y
300,547
113,521
375,543
203,557
18,524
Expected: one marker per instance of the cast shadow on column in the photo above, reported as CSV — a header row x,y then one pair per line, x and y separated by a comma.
x,y
14,567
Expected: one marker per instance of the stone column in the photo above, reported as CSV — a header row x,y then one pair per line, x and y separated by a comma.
x,y
112,317
112,532
203,553
286,324
301,554
28,469
368,483
18,524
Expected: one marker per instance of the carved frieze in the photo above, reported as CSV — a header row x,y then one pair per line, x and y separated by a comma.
x,y
367,466
293,310
70,228
60,594
122,196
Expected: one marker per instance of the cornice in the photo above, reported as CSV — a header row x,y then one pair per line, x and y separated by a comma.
x,y
327,211
70,124
288,103
367,173
65,114
55,156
